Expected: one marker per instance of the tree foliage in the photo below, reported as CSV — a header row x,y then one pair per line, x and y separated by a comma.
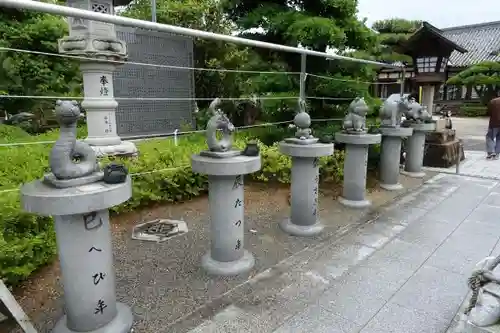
x,y
320,25
483,77
32,74
392,32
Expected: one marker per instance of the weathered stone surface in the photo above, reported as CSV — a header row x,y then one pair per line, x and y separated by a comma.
x,y
443,155
441,136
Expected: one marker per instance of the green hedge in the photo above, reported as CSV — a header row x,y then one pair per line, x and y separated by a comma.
x,y
473,110
27,241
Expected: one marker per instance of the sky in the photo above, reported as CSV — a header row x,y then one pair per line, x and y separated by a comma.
x,y
440,13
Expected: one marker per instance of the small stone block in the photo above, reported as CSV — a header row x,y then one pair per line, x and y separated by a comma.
x,y
302,141
443,155
220,154
65,183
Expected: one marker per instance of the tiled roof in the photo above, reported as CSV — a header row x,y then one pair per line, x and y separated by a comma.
x,y
482,42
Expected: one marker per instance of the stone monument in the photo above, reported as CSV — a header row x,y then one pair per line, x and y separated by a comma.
x,y
357,141
97,40
390,114
78,194
421,122
225,168
305,151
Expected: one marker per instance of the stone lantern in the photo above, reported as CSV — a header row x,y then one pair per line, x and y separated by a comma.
x,y
97,41
430,51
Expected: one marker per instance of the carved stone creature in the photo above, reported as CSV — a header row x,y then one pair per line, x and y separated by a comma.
x,y
67,149
393,110
219,121
302,121
484,307
355,120
417,113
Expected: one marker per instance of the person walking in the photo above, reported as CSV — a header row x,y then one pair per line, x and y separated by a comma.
x,y
493,135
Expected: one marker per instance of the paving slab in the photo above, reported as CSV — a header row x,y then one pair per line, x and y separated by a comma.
x,y
401,268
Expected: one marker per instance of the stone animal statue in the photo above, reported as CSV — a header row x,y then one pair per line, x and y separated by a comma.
x,y
393,110
355,120
219,121
302,121
67,148
484,305
416,112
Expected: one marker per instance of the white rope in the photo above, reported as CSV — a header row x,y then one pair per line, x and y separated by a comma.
x,y
146,64
152,137
132,175
150,98
178,133
342,80
331,98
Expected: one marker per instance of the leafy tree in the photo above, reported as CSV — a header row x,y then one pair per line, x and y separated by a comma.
x,y
483,77
318,25
32,74
202,15
392,32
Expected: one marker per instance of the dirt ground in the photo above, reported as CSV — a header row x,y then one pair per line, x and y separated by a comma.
x,y
40,296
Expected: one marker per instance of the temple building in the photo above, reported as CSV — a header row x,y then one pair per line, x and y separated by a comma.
x,y
439,54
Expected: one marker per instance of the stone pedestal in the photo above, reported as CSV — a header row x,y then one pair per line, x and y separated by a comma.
x,y
390,156
443,148
415,147
85,252
304,219
428,97
355,167
227,255
100,107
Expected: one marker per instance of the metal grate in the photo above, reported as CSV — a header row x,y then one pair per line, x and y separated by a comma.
x,y
100,8
154,117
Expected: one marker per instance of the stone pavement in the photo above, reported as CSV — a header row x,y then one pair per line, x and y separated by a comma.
x,y
404,271
475,165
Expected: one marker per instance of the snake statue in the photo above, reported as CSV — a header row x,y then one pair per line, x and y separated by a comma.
x,y
67,149
219,121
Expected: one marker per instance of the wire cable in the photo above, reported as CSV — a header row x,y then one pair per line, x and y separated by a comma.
x,y
343,80
122,62
149,98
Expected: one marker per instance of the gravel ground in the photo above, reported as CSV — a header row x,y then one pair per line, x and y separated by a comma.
x,y
163,282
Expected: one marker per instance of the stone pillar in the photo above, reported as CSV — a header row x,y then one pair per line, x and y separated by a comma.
x,y
226,204
390,156
355,167
100,107
304,220
415,149
85,252
97,40
225,168
428,98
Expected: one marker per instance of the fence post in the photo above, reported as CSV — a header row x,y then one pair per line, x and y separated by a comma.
x,y
303,76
